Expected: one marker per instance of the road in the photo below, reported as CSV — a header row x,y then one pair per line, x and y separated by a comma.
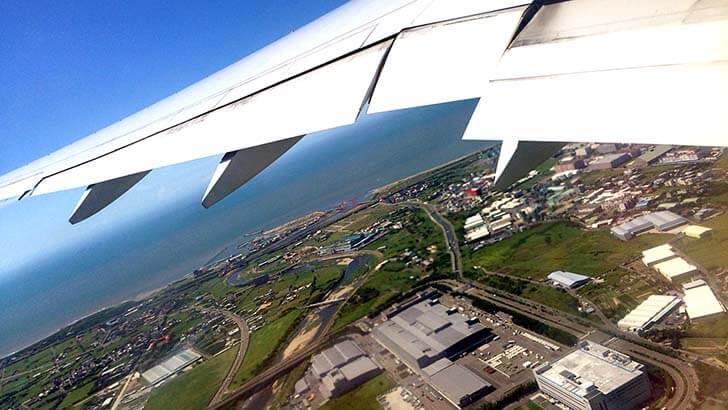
x,y
448,231
267,377
683,375
242,347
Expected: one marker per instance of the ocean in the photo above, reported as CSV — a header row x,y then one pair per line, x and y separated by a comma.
x,y
53,273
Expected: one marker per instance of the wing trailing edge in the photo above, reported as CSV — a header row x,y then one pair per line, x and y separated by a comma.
x,y
99,196
238,167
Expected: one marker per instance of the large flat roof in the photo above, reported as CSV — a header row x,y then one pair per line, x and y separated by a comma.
x,y
675,267
457,382
592,367
657,254
700,301
170,366
648,312
569,279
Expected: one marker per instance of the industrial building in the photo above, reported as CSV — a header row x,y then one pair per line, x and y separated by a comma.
x,y
652,155
648,312
676,269
568,279
341,368
456,383
657,254
609,161
427,332
172,365
661,221
696,231
595,377
700,301
425,335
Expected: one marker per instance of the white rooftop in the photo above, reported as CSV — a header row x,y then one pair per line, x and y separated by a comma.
x,y
592,367
700,301
675,267
648,312
695,231
657,254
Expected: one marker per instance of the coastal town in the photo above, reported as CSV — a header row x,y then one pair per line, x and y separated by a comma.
x,y
597,281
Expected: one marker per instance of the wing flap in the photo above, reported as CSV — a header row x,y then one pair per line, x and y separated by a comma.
x,y
327,97
237,168
443,62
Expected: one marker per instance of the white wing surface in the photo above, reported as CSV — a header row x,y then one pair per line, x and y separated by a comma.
x,y
546,73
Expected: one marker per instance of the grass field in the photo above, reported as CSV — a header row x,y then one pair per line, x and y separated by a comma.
x,y
543,294
395,277
194,389
709,327
263,343
709,251
712,386
559,246
363,397
76,395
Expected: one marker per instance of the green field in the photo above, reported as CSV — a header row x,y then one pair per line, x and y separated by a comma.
x,y
543,294
395,277
194,389
559,246
363,397
263,343
711,250
76,395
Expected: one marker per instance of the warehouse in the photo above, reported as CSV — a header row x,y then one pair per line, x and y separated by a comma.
x,y
700,301
609,161
661,221
427,332
473,222
568,280
652,155
177,362
676,269
341,368
648,312
459,385
595,377
657,254
696,231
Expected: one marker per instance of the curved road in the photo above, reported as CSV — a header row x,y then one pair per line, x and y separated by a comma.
x,y
683,375
242,347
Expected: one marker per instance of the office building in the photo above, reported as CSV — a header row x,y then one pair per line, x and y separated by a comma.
x,y
594,377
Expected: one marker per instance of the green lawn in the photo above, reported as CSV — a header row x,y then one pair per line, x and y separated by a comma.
x,y
710,251
194,389
559,246
363,397
263,343
76,395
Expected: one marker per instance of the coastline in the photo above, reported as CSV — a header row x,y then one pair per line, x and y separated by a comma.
x,y
144,295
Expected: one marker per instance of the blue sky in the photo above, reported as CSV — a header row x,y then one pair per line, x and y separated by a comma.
x,y
70,68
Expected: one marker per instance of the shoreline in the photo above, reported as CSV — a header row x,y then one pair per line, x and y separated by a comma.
x,y
148,294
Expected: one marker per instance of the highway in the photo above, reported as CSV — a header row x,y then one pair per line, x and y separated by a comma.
x,y
267,377
242,348
683,375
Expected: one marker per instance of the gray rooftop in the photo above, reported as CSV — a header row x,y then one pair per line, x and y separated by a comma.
x,y
567,278
427,329
457,382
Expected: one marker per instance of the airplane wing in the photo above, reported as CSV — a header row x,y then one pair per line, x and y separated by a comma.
x,y
546,73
